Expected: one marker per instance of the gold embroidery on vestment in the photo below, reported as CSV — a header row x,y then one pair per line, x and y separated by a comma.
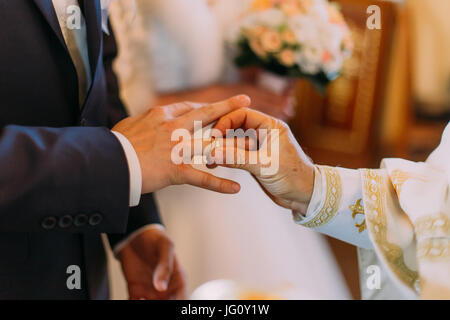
x,y
357,208
332,198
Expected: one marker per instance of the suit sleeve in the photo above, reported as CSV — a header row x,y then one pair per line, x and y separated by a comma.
x,y
147,212
59,179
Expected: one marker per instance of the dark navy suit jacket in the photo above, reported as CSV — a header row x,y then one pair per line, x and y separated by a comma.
x,y
64,178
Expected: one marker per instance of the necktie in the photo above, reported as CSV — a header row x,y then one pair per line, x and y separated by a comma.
x,y
75,36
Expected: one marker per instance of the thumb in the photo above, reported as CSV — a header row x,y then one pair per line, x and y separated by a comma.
x,y
164,268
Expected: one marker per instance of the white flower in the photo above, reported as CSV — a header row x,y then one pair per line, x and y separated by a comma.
x,y
310,68
319,10
331,37
272,18
319,38
334,64
303,28
310,59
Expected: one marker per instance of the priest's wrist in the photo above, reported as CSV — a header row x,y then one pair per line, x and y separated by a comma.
x,y
305,187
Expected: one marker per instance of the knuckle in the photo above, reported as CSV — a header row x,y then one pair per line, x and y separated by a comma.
x,y
209,111
207,181
183,105
187,104
280,124
159,111
223,186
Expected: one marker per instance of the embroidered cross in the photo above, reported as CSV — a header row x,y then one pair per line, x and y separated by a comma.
x,y
357,208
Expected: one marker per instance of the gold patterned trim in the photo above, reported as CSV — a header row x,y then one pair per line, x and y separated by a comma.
x,y
332,198
357,208
432,226
375,211
399,177
433,249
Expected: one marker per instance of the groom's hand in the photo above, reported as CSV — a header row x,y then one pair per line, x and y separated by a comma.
x,y
151,268
150,135
291,184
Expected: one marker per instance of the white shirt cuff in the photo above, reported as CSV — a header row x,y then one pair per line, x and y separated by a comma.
x,y
127,240
134,168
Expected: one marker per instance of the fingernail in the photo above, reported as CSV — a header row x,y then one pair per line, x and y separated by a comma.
x,y
243,99
163,285
236,187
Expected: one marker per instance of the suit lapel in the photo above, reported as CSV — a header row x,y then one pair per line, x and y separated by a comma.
x,y
93,18
48,11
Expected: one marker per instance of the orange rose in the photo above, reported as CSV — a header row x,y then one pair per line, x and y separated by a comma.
x,y
255,32
257,48
287,57
291,9
258,5
289,37
271,41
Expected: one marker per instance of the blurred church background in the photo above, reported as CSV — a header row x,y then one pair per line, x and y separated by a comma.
x,y
392,100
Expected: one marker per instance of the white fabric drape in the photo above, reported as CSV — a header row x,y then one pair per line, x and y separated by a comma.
x,y
398,216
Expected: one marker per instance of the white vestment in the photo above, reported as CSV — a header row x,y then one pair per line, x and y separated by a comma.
x,y
398,216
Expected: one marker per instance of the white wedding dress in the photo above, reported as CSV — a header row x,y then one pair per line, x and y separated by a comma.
x,y
176,45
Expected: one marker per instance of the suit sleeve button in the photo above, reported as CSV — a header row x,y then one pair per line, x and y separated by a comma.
x,y
95,219
65,221
49,223
80,220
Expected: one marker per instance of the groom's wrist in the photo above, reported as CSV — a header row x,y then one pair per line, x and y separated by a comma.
x,y
117,249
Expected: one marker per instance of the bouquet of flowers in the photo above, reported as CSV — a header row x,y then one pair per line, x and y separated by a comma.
x,y
293,38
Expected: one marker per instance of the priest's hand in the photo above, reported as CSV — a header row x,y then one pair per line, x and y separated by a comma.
x,y
288,178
